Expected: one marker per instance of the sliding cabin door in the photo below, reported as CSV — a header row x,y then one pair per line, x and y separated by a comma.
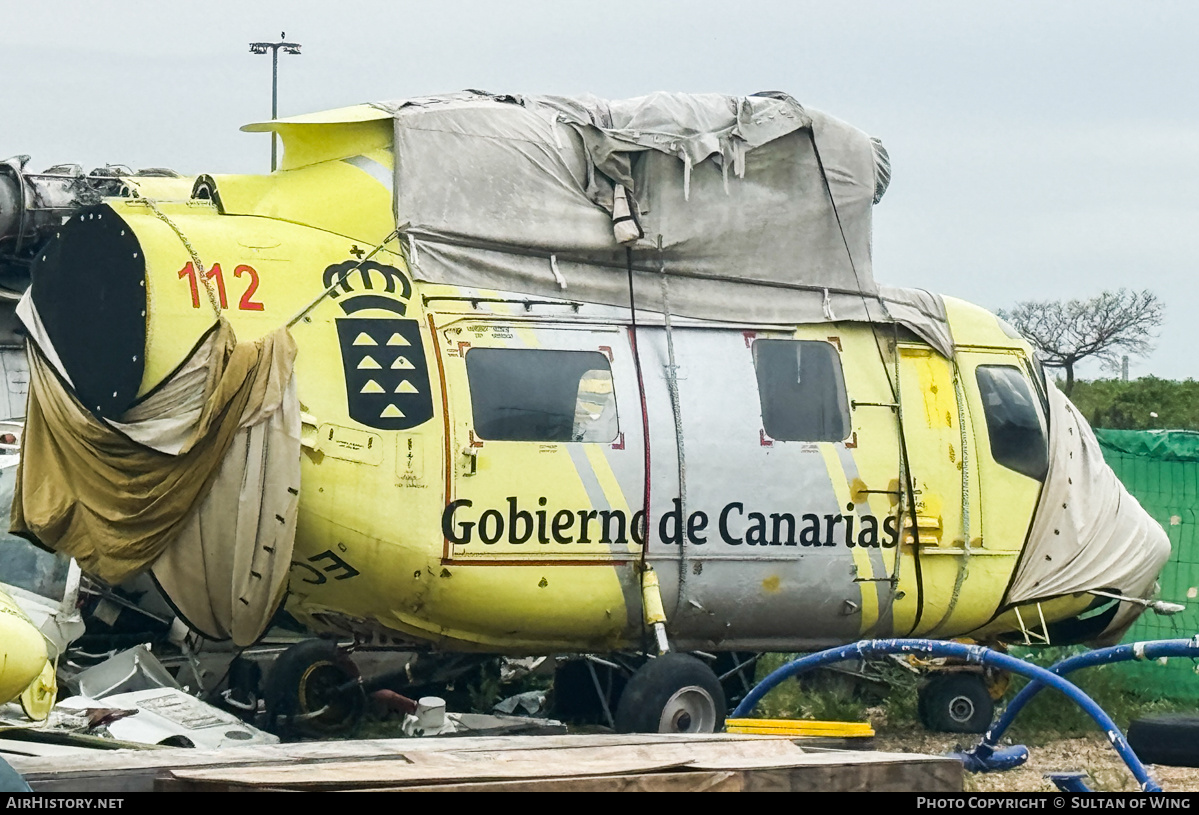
x,y
544,477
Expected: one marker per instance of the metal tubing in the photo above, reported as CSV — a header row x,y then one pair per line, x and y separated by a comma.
x,y
273,47
601,693
975,654
274,104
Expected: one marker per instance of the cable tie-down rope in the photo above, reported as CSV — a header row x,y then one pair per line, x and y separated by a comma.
x,y
199,265
672,381
395,234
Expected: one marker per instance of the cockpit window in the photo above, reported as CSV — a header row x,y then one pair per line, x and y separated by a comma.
x,y
802,390
533,394
1014,424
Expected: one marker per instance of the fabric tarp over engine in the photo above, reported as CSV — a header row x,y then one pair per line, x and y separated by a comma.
x,y
1088,532
754,208
198,481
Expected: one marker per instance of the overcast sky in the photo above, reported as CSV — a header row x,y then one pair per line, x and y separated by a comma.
x,y
1039,150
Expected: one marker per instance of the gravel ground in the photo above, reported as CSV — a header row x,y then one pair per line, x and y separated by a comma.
x,y
1091,754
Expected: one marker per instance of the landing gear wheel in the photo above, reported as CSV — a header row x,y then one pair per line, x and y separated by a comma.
x,y
314,690
1171,739
675,693
956,703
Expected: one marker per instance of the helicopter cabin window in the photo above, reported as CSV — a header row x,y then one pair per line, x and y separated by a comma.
x,y
802,390
522,394
1014,424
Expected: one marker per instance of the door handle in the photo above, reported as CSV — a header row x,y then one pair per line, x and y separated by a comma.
x,y
471,466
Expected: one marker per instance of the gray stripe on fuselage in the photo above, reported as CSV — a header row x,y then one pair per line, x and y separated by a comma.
x,y
885,625
374,169
591,485
629,588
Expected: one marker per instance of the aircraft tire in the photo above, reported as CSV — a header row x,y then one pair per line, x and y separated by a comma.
x,y
955,703
1171,739
674,693
310,676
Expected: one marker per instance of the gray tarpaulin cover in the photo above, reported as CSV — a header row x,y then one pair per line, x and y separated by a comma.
x,y
1088,532
543,195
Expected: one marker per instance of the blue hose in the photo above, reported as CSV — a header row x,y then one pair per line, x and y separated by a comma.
x,y
975,654
988,756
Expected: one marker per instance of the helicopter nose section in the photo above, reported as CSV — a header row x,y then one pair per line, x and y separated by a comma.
x,y
89,293
1088,534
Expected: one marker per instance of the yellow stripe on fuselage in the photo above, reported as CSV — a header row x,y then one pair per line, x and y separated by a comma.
x,y
861,557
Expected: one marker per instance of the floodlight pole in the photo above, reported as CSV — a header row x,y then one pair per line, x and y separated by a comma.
x,y
288,48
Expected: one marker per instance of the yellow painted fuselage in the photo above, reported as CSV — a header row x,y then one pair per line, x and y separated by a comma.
x,y
22,650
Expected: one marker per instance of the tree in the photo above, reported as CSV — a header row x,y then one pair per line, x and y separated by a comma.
x,y
1104,327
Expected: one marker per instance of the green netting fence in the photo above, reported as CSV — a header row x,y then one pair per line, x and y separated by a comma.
x,y
1161,470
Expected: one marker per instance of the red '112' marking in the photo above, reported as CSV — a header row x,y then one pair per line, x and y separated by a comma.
x,y
247,303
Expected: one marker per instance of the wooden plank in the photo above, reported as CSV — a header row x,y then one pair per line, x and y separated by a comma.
x,y
929,775
932,776
130,771
766,767
546,761
426,768
345,777
316,750
647,782
923,775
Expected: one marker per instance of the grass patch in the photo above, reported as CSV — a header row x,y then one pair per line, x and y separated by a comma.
x,y
888,697
880,691
899,706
